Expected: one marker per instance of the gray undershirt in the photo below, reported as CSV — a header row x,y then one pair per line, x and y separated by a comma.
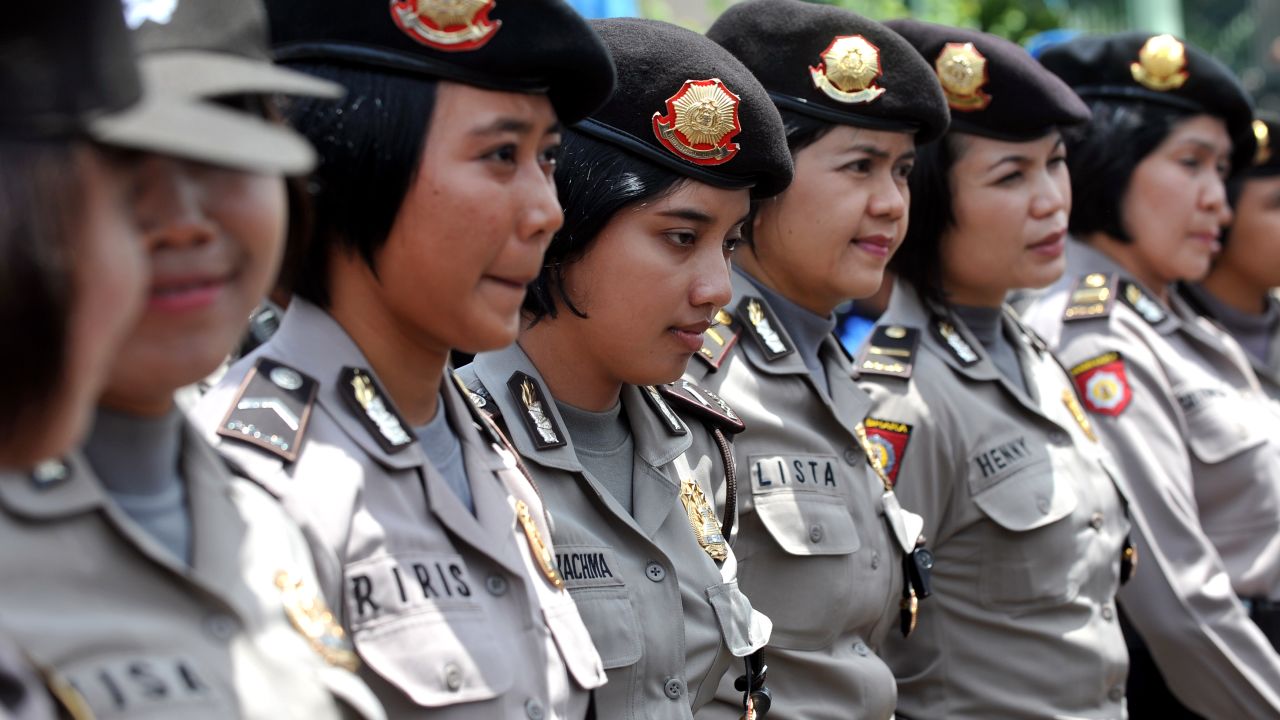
x,y
604,446
444,451
808,330
139,461
1252,330
987,325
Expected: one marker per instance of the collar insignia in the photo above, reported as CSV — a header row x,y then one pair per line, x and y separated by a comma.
x,y
701,120
311,616
763,326
718,340
668,415
951,337
1161,65
365,397
1262,134
49,473
1073,407
1093,296
848,71
1143,304
537,416
538,547
891,352
703,520
450,25
272,409
962,72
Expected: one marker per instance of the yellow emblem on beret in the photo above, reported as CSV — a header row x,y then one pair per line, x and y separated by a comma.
x,y
1162,64
962,71
1262,134
452,25
848,71
701,120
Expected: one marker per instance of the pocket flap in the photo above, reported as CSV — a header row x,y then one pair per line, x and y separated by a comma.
x,y
1027,500
808,523
1221,425
574,643
613,625
743,628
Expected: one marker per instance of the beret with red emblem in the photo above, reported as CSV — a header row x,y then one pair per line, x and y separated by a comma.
x,y
1141,67
994,87
685,103
508,45
834,65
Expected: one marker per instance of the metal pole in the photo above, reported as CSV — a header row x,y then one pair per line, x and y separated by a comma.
x,y
1161,16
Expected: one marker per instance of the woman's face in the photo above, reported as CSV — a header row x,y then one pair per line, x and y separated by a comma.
x,y
1253,251
214,238
829,237
1010,201
1175,206
476,221
651,282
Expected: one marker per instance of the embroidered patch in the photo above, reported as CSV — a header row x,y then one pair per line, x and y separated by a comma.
x,y
537,415
450,25
1093,296
891,351
1103,384
365,397
888,440
271,409
703,404
764,327
719,339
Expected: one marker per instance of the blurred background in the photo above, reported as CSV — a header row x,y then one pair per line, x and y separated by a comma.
x,y
1245,34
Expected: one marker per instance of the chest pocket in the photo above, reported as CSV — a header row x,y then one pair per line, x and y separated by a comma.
x,y
1221,424
416,621
802,501
744,630
593,576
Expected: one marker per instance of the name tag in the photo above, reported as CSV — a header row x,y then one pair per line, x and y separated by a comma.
x,y
1198,398
998,461
816,473
584,566
142,684
411,582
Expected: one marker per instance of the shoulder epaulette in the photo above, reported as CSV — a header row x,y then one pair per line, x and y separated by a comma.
x,y
538,418
719,339
702,404
1093,296
891,351
1147,307
272,409
764,328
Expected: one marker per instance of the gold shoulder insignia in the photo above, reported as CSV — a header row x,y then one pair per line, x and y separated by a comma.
x,y
539,419
703,404
890,352
272,409
371,406
719,339
1093,296
1147,307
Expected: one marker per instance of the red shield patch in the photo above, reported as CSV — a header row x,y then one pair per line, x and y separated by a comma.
x,y
451,25
701,122
888,439
1103,384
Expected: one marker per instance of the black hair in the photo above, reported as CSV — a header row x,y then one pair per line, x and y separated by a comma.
x,y
370,146
40,211
919,260
801,131
1102,155
595,181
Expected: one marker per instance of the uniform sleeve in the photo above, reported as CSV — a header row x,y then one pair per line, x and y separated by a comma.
x,y
1213,657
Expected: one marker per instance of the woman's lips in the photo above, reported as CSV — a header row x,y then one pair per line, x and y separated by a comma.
x,y
690,335
179,295
878,245
1051,245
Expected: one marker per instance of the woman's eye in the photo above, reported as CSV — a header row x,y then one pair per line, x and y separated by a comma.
x,y
551,156
681,237
1058,160
506,154
859,166
903,172
731,244
1010,178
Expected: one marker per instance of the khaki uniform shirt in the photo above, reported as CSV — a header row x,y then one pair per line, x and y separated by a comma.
x,y
1023,518
23,696
1198,442
450,612
815,551
97,603
666,619
1266,369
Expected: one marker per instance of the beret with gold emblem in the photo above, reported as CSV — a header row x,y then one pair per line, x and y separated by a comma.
x,y
1266,158
685,103
834,65
508,45
993,87
1140,67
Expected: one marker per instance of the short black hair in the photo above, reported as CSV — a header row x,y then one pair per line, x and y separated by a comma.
x,y
370,146
919,260
595,181
801,131
1102,155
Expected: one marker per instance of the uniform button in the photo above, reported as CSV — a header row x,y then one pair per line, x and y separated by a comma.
x,y
815,533
875,560
674,688
533,710
852,456
655,572
1095,522
221,627
1116,694
1107,613
496,585
861,648
1043,504
452,677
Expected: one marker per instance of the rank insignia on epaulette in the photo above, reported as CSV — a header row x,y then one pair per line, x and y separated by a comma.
x,y
1093,296
1103,383
451,25
272,409
366,399
703,520
703,404
952,340
663,409
891,351
765,328
311,616
1147,307
719,339
887,443
537,415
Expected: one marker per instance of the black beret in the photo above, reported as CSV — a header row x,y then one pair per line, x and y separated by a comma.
x,y
993,86
1161,69
834,65
1266,159
509,45
687,104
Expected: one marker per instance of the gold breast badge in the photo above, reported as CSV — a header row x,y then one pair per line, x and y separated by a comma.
x,y
1077,412
701,120
1162,64
848,70
537,546
962,72
703,520
452,25
311,616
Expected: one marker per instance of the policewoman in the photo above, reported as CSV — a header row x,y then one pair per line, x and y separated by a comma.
x,y
1171,395
203,600
978,425
1238,291
820,539
656,187
434,203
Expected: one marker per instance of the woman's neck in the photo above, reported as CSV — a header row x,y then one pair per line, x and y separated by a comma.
x,y
1125,254
749,262
1235,291
572,372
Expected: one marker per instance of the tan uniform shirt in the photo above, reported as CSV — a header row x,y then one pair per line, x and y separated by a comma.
x,y
92,598
450,612
1022,516
815,551
1266,369
23,696
1198,442
667,620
